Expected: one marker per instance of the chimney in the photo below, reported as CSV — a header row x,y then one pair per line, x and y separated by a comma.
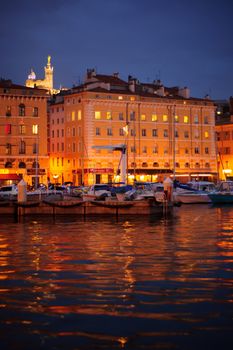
x,y
184,92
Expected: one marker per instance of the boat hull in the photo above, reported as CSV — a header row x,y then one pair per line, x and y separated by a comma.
x,y
223,198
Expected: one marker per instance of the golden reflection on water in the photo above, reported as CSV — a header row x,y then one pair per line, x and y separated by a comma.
x,y
139,271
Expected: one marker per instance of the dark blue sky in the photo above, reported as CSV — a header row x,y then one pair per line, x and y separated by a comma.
x,y
184,43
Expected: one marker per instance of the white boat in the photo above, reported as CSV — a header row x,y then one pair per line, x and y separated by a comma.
x,y
195,192
223,194
97,192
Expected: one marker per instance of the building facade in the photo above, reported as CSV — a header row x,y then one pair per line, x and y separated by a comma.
x,y
224,138
166,132
23,134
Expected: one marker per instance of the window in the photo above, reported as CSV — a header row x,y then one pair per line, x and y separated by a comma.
x,y
187,165
35,112
52,133
154,118
35,148
121,116
8,129
165,118
21,110
176,134
207,165
79,114
8,165
35,129
197,165
196,150
73,132
176,119
133,149
155,149
132,116
206,134
196,119
186,119
73,116
144,149
155,164
133,132
144,165
57,133
133,165
8,148
177,165
109,116
165,133
62,146
74,147
206,120
154,132
143,117
186,134
196,134
97,114
8,111
166,165
22,129
97,131
22,165
143,132
186,151
206,150
22,147
109,131
121,132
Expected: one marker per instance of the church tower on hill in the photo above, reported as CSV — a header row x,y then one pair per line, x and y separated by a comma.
x,y
46,83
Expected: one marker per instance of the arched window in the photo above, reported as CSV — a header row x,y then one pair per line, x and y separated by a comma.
x,y
197,165
155,164
133,165
144,165
35,165
21,110
207,165
166,165
187,165
8,165
177,165
22,165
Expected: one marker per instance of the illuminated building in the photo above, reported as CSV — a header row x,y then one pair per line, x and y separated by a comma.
x,y
23,133
166,131
46,83
224,137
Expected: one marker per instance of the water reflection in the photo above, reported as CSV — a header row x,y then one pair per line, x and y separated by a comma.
x,y
138,283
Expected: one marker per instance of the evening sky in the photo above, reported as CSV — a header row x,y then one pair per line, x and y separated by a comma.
x,y
182,43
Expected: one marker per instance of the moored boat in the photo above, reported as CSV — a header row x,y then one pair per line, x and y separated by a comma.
x,y
223,194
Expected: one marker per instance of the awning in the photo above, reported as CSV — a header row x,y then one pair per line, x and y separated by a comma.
x,y
9,177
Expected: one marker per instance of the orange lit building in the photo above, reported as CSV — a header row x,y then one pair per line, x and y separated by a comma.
x,y
23,134
224,136
166,132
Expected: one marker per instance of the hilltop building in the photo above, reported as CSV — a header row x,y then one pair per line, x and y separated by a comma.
x,y
46,83
166,132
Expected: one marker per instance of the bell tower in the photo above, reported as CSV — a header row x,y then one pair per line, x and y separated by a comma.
x,y
49,75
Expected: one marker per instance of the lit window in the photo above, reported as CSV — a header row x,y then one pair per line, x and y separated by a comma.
x,y
79,114
109,115
120,98
186,119
97,114
176,118
35,112
154,118
143,117
206,134
73,116
132,98
165,118
35,129
22,129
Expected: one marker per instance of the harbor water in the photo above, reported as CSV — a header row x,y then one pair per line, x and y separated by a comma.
x,y
136,283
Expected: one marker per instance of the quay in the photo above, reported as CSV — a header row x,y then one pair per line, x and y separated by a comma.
x,y
69,206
